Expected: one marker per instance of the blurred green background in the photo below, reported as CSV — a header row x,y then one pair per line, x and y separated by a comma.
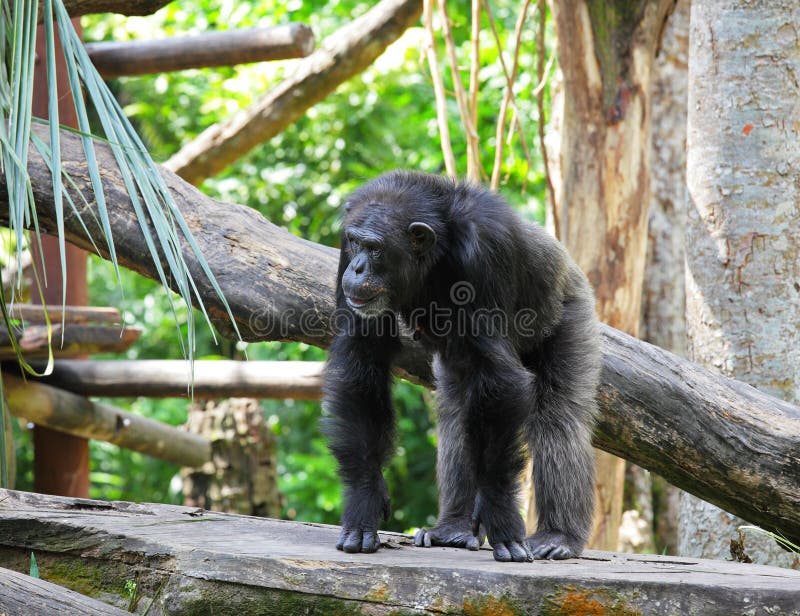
x,y
380,120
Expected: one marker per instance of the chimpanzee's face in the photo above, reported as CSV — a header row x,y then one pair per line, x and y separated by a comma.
x,y
382,251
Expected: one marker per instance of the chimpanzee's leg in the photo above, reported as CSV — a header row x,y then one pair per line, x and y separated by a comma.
x,y
360,431
494,392
455,476
560,435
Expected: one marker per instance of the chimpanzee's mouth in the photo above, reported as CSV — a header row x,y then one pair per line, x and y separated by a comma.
x,y
360,302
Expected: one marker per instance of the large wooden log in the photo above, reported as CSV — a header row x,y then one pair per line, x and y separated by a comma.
x,y
192,561
717,438
22,594
344,54
75,8
162,378
67,412
219,48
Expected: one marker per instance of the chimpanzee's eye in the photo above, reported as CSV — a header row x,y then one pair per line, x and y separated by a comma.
x,y
375,253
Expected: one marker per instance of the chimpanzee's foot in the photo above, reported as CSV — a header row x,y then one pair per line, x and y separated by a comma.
x,y
364,507
354,539
554,545
504,528
453,533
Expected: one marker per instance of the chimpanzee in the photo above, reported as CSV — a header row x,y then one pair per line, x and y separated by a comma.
x,y
510,320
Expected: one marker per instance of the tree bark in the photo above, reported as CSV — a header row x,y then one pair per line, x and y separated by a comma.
x,y
344,54
663,320
653,404
743,295
606,50
242,474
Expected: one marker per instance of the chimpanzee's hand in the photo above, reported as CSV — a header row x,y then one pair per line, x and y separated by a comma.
x,y
364,506
554,545
504,527
454,533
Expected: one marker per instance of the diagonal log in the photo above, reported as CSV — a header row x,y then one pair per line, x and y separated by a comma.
x,y
344,54
715,437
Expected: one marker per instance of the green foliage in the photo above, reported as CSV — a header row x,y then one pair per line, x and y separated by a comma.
x,y
381,120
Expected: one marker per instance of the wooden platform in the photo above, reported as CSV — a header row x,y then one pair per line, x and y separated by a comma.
x,y
188,561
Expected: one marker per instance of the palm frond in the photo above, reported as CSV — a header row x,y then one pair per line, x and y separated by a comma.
x,y
161,222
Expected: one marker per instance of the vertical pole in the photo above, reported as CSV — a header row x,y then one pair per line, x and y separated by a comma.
x,y
61,461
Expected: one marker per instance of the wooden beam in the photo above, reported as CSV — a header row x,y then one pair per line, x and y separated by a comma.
x,y
344,54
717,438
22,594
220,48
194,561
77,340
155,378
76,415
35,313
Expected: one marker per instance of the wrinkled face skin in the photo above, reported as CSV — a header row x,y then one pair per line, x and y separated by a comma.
x,y
384,252
365,282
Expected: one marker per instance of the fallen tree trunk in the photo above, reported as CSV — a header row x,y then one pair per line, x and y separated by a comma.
x,y
344,54
717,438
190,561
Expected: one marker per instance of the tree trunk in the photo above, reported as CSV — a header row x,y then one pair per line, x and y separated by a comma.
x,y
242,474
653,404
606,51
663,320
743,298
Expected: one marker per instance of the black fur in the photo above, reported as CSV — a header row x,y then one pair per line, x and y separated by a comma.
x,y
510,319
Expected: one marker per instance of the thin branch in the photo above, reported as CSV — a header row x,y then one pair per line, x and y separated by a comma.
x,y
515,126
508,98
474,171
550,194
475,61
439,92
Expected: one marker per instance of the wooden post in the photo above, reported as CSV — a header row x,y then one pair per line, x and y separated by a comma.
x,y
61,461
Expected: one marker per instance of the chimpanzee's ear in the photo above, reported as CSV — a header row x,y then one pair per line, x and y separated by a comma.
x,y
422,237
